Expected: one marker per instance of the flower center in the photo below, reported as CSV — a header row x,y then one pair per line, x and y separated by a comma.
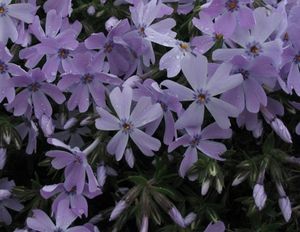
x,y
58,230
195,140
142,32
3,10
87,78
3,67
108,47
286,37
34,87
202,97
184,46
63,53
297,59
232,5
126,126
253,49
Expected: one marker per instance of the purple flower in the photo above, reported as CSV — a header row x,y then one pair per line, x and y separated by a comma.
x,y
119,208
86,79
231,13
201,140
215,227
33,94
203,92
211,33
76,167
168,103
7,70
140,38
63,219
57,43
129,124
113,47
254,42
62,7
250,93
77,203
12,13
7,201
284,203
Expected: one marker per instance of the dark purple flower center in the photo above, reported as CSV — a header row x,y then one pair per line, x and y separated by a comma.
x,y
63,53
253,49
87,78
142,31
108,47
195,141
126,126
34,87
3,67
58,230
202,97
163,106
297,59
286,37
232,5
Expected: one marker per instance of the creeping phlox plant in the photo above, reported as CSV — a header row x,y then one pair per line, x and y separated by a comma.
x,y
149,115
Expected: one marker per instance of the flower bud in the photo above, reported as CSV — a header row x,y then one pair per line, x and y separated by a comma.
x,y
119,208
70,123
177,217
46,125
91,10
111,23
190,218
259,196
219,186
281,130
129,157
145,224
205,187
239,179
285,207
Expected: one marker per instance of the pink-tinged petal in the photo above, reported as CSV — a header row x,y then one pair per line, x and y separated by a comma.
x,y
246,18
61,158
221,110
95,41
117,144
171,61
53,23
7,29
227,22
194,69
235,97
264,24
64,216
213,131
40,221
121,101
190,157
212,149
145,142
202,43
225,54
184,140
145,112
53,92
181,92
192,117
204,23
293,80
254,95
106,121
22,11
41,104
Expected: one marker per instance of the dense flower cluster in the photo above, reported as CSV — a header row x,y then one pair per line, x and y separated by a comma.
x,y
82,100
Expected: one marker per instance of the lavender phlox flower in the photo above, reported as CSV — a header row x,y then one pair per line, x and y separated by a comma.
x,y
204,91
129,124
